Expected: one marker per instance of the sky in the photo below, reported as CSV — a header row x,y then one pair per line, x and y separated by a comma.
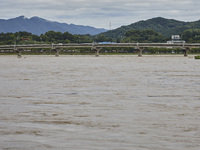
x,y
108,14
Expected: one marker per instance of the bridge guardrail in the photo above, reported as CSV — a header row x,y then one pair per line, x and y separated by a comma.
x,y
135,45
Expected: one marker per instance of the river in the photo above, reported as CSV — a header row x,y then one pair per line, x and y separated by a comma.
x,y
99,103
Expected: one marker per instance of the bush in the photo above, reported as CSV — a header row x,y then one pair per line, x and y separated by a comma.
x,y
197,57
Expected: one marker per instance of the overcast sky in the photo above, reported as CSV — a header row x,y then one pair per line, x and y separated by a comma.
x,y
100,13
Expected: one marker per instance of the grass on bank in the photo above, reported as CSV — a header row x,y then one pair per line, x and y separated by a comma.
x,y
197,57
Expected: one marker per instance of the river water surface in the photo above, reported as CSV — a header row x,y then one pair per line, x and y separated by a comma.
x,y
99,103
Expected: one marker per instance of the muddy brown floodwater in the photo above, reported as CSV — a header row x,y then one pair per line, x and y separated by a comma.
x,y
99,103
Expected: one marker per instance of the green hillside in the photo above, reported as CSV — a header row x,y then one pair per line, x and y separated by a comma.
x,y
166,27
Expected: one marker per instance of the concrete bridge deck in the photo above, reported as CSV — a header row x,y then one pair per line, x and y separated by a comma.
x,y
98,46
135,45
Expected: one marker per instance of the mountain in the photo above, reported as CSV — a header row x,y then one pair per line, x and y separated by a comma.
x,y
166,27
36,25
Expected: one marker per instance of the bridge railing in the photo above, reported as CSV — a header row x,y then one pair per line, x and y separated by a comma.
x,y
135,45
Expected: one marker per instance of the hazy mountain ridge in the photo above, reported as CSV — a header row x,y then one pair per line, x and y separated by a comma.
x,y
36,25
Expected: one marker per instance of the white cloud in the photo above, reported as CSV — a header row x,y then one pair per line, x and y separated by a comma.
x,y
99,13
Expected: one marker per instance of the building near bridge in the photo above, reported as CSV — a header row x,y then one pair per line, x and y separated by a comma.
x,y
176,39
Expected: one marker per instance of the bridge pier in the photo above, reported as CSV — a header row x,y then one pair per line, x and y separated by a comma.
x,y
57,50
19,51
186,51
97,50
140,51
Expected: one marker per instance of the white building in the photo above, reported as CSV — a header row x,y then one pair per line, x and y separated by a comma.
x,y
175,39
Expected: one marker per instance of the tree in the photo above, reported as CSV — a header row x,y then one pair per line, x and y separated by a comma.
x,y
67,36
191,35
53,36
143,36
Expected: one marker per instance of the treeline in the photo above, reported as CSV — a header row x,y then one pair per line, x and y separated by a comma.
x,y
48,37
151,36
144,36
191,36
131,36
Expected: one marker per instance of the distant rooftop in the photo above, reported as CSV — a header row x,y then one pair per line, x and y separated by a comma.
x,y
176,37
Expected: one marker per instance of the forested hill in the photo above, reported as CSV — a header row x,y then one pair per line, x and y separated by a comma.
x,y
166,27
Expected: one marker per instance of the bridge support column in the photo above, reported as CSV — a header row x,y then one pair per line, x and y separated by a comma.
x,y
186,51
140,51
57,50
97,49
97,52
19,51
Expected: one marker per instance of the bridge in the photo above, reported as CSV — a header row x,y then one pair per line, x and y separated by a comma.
x,y
97,47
